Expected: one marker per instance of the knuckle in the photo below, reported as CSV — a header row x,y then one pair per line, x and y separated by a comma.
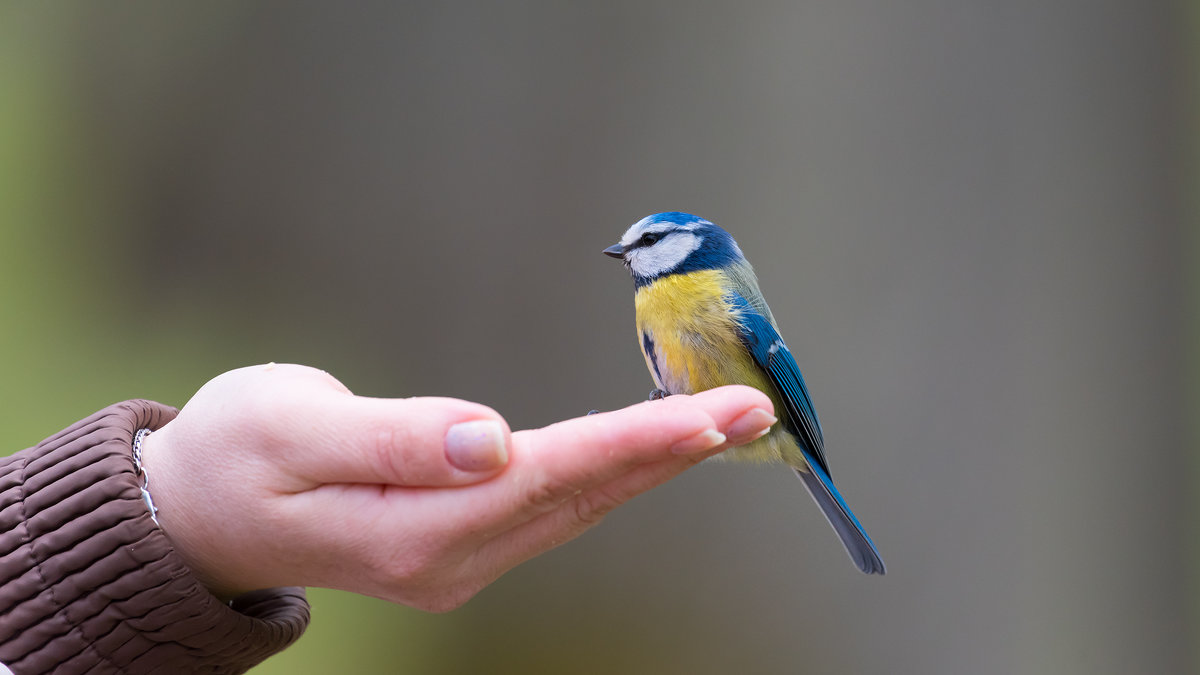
x,y
428,584
411,569
592,506
546,494
385,452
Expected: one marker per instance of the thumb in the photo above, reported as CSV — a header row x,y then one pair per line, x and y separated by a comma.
x,y
314,431
418,442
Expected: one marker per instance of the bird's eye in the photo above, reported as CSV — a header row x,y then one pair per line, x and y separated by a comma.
x,y
650,238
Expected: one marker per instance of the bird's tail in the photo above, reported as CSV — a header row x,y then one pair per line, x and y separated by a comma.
x,y
862,551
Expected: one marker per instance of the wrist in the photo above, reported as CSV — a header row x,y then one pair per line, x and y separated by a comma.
x,y
168,501
95,562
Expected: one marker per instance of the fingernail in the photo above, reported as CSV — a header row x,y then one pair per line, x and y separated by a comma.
x,y
753,424
476,446
705,440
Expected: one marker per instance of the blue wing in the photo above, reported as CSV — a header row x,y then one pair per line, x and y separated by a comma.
x,y
772,355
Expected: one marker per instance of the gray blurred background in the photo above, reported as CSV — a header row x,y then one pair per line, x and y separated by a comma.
x,y
972,219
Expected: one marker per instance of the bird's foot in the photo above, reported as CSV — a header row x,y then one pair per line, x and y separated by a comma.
x,y
656,394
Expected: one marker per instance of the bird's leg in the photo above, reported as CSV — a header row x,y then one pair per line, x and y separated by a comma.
x,y
655,394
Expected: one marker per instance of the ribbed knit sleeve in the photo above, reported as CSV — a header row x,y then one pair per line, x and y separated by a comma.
x,y
88,583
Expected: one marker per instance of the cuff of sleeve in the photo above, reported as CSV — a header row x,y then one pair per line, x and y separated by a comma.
x,y
102,587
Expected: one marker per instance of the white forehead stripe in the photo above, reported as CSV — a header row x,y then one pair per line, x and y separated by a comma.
x,y
645,225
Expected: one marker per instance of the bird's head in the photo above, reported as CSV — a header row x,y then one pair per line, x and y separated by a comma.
x,y
674,243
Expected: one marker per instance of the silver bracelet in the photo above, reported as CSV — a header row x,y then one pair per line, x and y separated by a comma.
x,y
140,470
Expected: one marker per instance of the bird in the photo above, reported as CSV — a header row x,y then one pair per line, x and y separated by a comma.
x,y
702,322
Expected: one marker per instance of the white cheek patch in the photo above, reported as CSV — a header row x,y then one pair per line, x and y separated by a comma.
x,y
650,261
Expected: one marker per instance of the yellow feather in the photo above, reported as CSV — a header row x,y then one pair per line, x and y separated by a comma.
x,y
696,345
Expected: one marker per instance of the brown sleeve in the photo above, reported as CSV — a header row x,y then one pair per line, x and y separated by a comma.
x,y
88,583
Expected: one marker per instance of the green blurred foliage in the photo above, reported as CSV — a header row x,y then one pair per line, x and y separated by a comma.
x,y
76,337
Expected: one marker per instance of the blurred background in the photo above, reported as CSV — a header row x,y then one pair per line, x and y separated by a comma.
x,y
974,221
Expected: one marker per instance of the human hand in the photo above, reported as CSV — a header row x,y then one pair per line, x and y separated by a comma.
x,y
277,475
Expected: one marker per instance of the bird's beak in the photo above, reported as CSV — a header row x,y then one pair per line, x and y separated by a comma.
x,y
615,251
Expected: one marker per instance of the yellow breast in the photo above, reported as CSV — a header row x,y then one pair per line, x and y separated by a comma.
x,y
689,335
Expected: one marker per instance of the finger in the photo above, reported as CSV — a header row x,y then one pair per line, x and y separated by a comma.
x,y
553,464
581,512
426,442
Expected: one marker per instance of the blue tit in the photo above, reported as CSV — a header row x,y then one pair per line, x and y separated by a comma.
x,y
703,323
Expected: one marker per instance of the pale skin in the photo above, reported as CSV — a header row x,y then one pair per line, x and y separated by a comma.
x,y
277,475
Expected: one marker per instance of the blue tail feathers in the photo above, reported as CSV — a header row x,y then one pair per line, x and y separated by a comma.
x,y
860,547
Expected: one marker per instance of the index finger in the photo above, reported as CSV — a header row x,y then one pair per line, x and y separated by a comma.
x,y
552,464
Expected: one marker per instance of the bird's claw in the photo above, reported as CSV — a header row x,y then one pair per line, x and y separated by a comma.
x,y
656,394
